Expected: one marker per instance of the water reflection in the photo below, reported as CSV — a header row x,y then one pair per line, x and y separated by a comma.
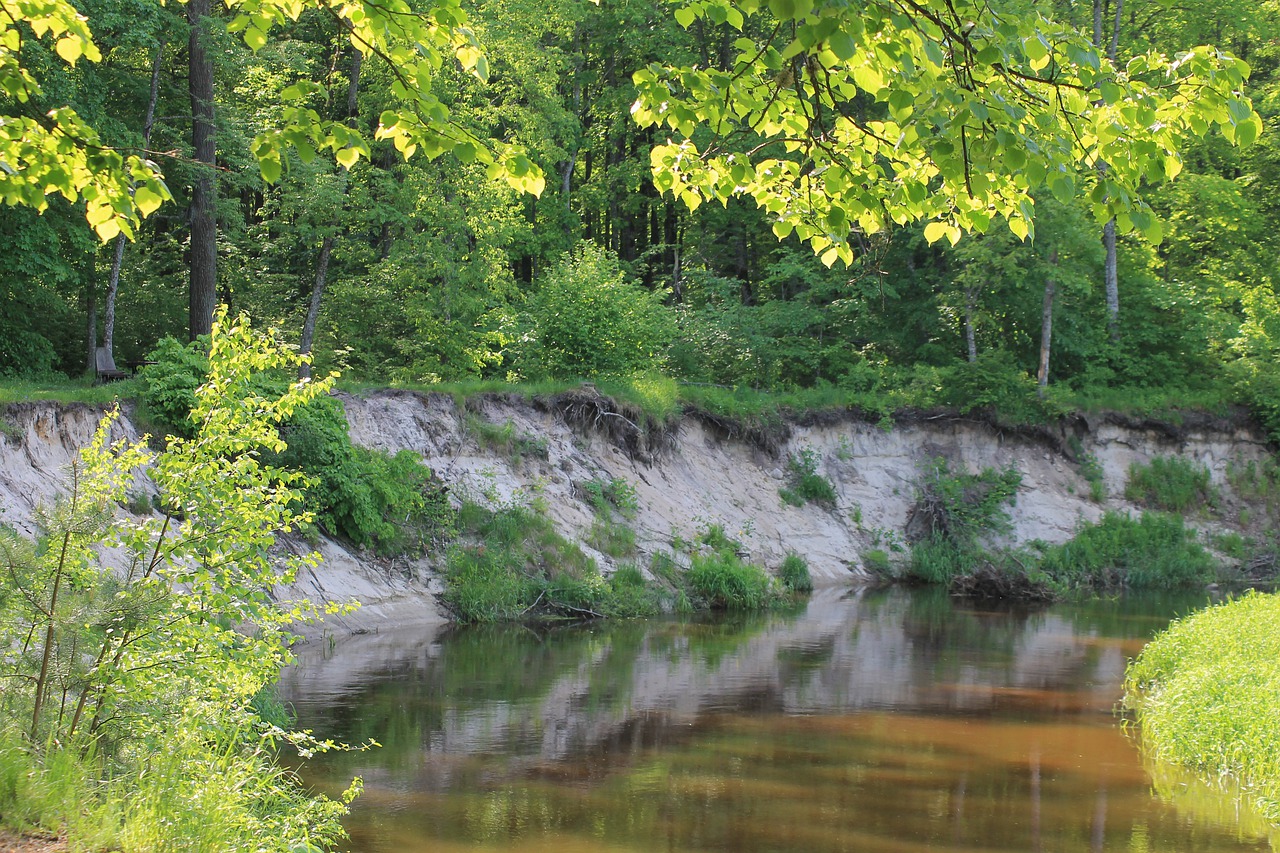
x,y
885,721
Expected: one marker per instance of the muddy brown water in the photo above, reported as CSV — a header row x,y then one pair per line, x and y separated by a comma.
x,y
892,720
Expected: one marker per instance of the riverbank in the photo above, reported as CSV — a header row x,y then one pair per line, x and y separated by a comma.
x,y
1206,695
694,473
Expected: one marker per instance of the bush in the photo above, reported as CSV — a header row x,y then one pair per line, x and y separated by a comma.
x,y
724,582
1170,483
806,484
393,504
587,320
131,739
169,386
524,569
614,494
794,574
1155,551
952,514
1205,693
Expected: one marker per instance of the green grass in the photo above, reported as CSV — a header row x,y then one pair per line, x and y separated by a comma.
x,y
69,391
724,582
794,574
1206,694
1170,483
1153,551
805,483
208,790
608,537
504,440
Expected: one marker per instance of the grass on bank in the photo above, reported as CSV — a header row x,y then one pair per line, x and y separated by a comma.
x,y
1206,695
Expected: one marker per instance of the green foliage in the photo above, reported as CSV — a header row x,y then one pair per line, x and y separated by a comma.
x,y
1021,129
962,508
724,582
877,562
613,494
794,574
995,383
1091,470
391,503
1154,551
806,484
1256,481
611,538
588,320
1170,483
951,516
169,385
139,680
937,560
524,569
1205,692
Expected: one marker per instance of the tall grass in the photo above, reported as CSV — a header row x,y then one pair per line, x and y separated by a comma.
x,y
1153,551
1206,694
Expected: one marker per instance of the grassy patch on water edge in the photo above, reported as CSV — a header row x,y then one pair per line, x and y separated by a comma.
x,y
1206,696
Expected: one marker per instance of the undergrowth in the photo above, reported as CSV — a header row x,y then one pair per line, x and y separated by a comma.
x,y
522,568
1154,551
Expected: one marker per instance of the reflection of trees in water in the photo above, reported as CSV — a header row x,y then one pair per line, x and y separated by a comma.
x,y
525,697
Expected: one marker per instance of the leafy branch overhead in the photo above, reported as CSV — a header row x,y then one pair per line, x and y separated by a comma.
x,y
843,118
57,152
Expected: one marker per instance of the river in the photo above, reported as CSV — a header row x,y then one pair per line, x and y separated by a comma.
x,y
867,720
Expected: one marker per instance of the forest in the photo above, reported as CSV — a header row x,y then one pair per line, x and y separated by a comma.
x,y
550,223
1018,207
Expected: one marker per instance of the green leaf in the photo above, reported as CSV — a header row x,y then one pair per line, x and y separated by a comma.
x,y
685,16
842,45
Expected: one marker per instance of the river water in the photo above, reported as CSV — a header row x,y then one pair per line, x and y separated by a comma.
x,y
870,720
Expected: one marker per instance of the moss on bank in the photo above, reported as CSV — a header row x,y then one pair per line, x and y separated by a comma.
x,y
1206,695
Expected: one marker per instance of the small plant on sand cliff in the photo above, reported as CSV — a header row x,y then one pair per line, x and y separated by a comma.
x,y
504,440
805,484
1170,483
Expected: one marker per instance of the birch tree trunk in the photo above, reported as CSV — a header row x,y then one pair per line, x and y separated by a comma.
x,y
1046,327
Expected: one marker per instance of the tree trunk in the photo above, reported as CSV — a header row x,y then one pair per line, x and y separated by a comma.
x,y
326,245
91,330
1111,277
1112,281
203,279
117,259
313,308
1046,328
970,340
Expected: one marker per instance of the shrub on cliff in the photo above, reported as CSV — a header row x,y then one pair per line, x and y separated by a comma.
x,y
392,503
